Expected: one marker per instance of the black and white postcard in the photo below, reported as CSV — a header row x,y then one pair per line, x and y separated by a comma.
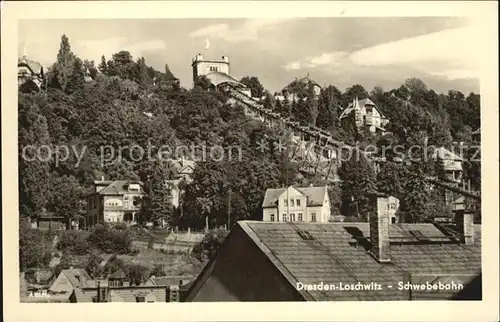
x,y
308,160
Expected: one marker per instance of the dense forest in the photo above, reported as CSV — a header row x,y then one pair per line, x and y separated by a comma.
x,y
123,102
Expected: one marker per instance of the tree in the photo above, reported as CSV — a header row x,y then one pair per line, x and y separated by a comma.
x,y
142,71
33,167
351,93
65,63
161,208
77,78
137,273
158,270
32,251
358,184
417,89
93,266
416,194
329,101
255,86
210,244
103,66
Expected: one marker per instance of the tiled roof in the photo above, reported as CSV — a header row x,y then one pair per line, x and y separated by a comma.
x,y
123,294
358,104
168,280
34,66
315,196
76,276
334,256
118,187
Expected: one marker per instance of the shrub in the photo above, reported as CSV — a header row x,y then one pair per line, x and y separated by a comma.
x,y
207,248
32,250
158,270
74,241
111,240
137,273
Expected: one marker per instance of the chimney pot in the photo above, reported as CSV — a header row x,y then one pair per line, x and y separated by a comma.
x,y
379,229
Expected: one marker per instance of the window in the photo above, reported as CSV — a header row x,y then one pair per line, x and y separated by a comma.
x,y
300,217
285,202
292,217
313,217
393,206
272,217
291,203
285,219
298,202
393,220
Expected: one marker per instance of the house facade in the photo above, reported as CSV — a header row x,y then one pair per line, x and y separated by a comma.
x,y
299,89
296,204
183,173
114,201
363,113
293,260
217,71
452,164
29,70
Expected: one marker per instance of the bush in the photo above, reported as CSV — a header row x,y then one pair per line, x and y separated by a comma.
x,y
111,240
207,248
74,241
32,250
137,273
158,270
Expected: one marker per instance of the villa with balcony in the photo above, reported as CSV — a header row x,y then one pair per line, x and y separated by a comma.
x,y
114,202
363,113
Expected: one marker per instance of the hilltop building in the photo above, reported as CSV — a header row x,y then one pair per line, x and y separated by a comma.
x,y
296,204
28,70
217,71
269,261
363,113
114,201
299,89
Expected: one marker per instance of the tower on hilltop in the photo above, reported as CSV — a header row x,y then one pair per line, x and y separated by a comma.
x,y
202,66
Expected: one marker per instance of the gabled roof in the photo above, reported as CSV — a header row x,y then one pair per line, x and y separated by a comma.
x,y
76,276
358,104
118,187
315,195
35,67
337,254
169,280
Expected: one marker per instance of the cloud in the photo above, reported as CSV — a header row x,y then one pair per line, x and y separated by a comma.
x,y
293,66
449,53
247,31
94,49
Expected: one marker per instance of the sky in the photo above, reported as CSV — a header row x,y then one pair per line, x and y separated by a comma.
x,y
342,51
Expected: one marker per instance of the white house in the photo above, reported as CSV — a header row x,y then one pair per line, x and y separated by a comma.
x,y
297,204
363,113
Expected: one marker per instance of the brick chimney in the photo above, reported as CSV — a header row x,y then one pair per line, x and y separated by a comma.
x,y
464,221
379,229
